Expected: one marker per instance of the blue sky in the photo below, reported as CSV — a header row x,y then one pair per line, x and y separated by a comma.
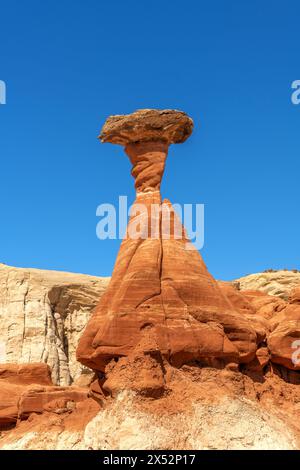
x,y
228,64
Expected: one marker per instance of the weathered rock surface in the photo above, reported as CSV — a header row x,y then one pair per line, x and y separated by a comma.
x,y
42,314
161,301
37,399
14,379
203,409
264,305
180,360
284,339
27,389
79,294
295,295
166,125
26,374
9,399
240,412
279,283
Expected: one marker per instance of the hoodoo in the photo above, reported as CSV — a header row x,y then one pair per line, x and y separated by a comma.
x,y
162,307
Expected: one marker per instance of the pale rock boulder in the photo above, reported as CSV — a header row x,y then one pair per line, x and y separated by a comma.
x,y
42,315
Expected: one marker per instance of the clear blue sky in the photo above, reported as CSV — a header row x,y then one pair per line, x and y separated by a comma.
x,y
229,64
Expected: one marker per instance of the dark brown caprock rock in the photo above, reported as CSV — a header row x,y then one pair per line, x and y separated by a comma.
x,y
161,304
147,125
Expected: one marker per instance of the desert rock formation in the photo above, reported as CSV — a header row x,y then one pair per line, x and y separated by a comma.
x,y
170,357
162,306
253,405
273,282
27,389
205,408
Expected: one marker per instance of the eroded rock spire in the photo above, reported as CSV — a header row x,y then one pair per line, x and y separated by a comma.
x,y
162,307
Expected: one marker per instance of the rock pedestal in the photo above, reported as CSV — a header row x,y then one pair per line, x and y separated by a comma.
x,y
161,301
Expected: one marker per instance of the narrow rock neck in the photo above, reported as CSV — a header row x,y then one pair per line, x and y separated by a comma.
x,y
148,160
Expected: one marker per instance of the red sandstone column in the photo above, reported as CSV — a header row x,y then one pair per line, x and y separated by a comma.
x,y
162,306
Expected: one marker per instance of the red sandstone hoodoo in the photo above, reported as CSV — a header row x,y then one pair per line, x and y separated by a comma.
x,y
162,307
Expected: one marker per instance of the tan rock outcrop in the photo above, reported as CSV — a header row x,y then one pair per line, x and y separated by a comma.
x,y
42,314
279,283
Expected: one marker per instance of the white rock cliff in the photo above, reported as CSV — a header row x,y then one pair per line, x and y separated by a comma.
x,y
42,314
